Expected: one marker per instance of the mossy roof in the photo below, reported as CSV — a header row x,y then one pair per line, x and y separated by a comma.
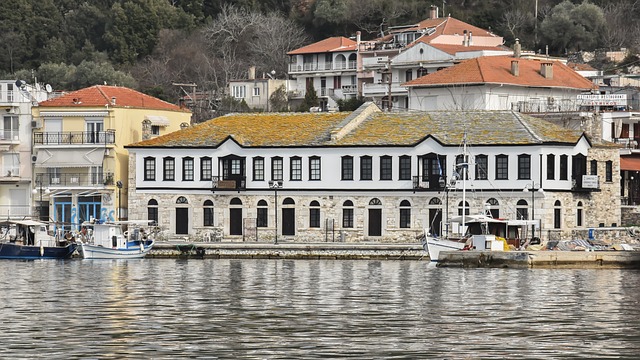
x,y
377,129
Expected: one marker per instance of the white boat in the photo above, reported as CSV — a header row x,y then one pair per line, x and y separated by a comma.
x,y
109,240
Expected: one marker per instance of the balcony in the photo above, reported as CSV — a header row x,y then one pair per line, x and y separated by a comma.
x,y
220,183
382,89
75,137
628,143
428,183
328,66
349,89
75,180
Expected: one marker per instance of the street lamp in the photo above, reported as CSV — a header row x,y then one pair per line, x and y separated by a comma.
x,y
532,188
119,185
275,185
40,190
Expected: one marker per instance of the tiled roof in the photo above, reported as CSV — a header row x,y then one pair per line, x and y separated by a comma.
x,y
454,49
377,129
581,67
332,44
497,70
101,95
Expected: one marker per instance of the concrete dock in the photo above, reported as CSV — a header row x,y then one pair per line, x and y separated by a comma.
x,y
283,250
541,259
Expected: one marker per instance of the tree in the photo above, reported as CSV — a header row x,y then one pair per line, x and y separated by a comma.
x,y
278,100
350,104
310,99
569,27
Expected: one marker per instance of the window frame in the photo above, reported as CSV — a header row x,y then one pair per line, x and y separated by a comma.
x,y
315,168
277,168
346,166
168,168
524,167
257,168
479,175
366,168
564,167
149,168
386,168
502,167
295,168
188,169
551,166
404,167
206,168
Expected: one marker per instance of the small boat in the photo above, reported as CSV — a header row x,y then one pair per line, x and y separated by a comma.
x,y
102,240
29,239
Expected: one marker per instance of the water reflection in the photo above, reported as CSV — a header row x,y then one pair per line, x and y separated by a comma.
x,y
312,309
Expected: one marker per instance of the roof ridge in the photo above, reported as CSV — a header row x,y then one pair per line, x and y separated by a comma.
x,y
102,92
526,126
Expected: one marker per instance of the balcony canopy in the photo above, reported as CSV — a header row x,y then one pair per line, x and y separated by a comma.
x,y
158,120
630,163
70,157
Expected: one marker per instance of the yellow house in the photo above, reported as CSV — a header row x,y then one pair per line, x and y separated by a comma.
x,y
80,163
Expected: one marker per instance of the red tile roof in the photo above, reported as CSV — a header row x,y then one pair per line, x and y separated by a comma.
x,y
101,95
454,49
497,70
332,44
443,26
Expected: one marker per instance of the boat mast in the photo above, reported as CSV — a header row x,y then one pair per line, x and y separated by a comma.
x,y
464,181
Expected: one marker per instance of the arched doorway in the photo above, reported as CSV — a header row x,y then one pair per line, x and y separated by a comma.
x,y
182,216
235,216
288,217
375,217
435,216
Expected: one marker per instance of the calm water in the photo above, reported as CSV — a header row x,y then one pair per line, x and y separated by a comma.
x,y
267,309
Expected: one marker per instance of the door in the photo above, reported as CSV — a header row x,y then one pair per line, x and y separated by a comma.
x,y
435,222
375,222
182,221
288,221
235,221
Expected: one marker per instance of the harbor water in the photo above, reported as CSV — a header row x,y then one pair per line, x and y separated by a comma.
x,y
313,309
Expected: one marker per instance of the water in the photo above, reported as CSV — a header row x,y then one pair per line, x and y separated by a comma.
x,y
266,309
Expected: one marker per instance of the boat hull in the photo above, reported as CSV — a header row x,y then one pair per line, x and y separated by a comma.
x,y
31,252
88,251
436,245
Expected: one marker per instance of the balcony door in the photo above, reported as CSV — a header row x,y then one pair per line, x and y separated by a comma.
x,y
95,131
52,131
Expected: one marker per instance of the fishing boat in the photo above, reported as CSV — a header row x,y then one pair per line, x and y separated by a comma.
x,y
105,240
30,239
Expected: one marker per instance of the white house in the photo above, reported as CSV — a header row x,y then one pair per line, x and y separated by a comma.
x,y
369,175
256,91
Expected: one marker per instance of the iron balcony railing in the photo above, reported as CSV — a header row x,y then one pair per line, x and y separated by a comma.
x,y
75,137
74,180
235,183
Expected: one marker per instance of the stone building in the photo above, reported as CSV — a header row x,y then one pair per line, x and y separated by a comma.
x,y
370,176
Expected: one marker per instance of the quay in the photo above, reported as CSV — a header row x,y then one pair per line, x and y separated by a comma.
x,y
284,250
541,259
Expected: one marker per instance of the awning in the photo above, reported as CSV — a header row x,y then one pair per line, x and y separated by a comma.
x,y
630,163
70,157
158,120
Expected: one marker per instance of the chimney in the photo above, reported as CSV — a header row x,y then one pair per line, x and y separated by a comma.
x,y
358,37
113,100
517,49
470,40
433,12
546,70
464,38
252,73
146,129
515,68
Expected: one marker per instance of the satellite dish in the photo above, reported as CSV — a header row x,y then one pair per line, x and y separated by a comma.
x,y
21,84
48,88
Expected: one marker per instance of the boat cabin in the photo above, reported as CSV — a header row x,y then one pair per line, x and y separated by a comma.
x,y
27,232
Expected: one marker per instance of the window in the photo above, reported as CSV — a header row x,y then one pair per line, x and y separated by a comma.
x,y
347,168
466,208
522,210
579,212
347,214
314,168
405,214
149,169
314,214
276,169
187,169
408,75
11,130
256,91
462,167
205,168
492,206
182,200
258,169
208,213
551,167
502,167
155,130
169,169
238,91
564,167
296,169
261,220
366,168
482,167
557,212
524,167
405,168
152,211
95,130
386,168
609,171
594,167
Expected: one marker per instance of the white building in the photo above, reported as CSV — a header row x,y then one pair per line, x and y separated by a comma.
x,y
256,92
369,175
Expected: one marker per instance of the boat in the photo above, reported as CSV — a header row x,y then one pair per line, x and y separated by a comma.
x,y
30,239
110,240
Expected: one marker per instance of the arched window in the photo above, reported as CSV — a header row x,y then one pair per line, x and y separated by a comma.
x,y
208,213
347,214
579,215
522,210
152,211
235,201
435,201
288,201
557,212
263,212
466,208
405,214
375,201
314,214
182,200
492,207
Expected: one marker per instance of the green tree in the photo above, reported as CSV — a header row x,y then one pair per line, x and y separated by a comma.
x,y
572,27
350,104
278,100
310,99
